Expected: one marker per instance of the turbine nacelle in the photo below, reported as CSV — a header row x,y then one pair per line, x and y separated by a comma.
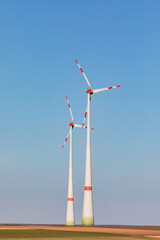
x,y
89,91
71,124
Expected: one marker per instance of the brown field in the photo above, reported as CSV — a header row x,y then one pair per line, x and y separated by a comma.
x,y
131,232
117,229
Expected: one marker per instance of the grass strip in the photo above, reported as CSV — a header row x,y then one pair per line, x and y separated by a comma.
x,y
43,233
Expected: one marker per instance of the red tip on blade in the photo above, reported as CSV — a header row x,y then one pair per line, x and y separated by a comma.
x,y
68,105
76,61
66,139
63,146
110,87
81,70
66,97
119,86
92,128
85,114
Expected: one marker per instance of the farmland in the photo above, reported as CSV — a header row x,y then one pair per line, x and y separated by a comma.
x,y
44,232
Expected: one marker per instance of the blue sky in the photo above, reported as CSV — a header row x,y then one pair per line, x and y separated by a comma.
x,y
115,42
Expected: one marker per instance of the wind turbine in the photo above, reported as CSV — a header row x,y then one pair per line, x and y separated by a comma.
x,y
87,217
70,206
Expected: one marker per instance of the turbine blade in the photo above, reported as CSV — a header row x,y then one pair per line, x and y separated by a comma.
x,y
104,89
80,126
69,108
85,115
77,125
66,138
83,74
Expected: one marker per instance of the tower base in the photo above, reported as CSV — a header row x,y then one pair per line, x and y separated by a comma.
x,y
87,221
70,223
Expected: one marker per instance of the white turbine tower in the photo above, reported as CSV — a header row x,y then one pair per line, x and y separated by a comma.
x,y
87,217
70,206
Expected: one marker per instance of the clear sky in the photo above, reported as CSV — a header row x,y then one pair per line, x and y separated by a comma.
x,y
115,42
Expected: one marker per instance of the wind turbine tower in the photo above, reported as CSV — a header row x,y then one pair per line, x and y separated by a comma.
x,y
87,217
70,200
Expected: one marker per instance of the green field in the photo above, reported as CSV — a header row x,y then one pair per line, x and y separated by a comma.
x,y
40,233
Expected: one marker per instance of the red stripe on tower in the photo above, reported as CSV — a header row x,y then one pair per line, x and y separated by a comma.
x,y
88,188
70,199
